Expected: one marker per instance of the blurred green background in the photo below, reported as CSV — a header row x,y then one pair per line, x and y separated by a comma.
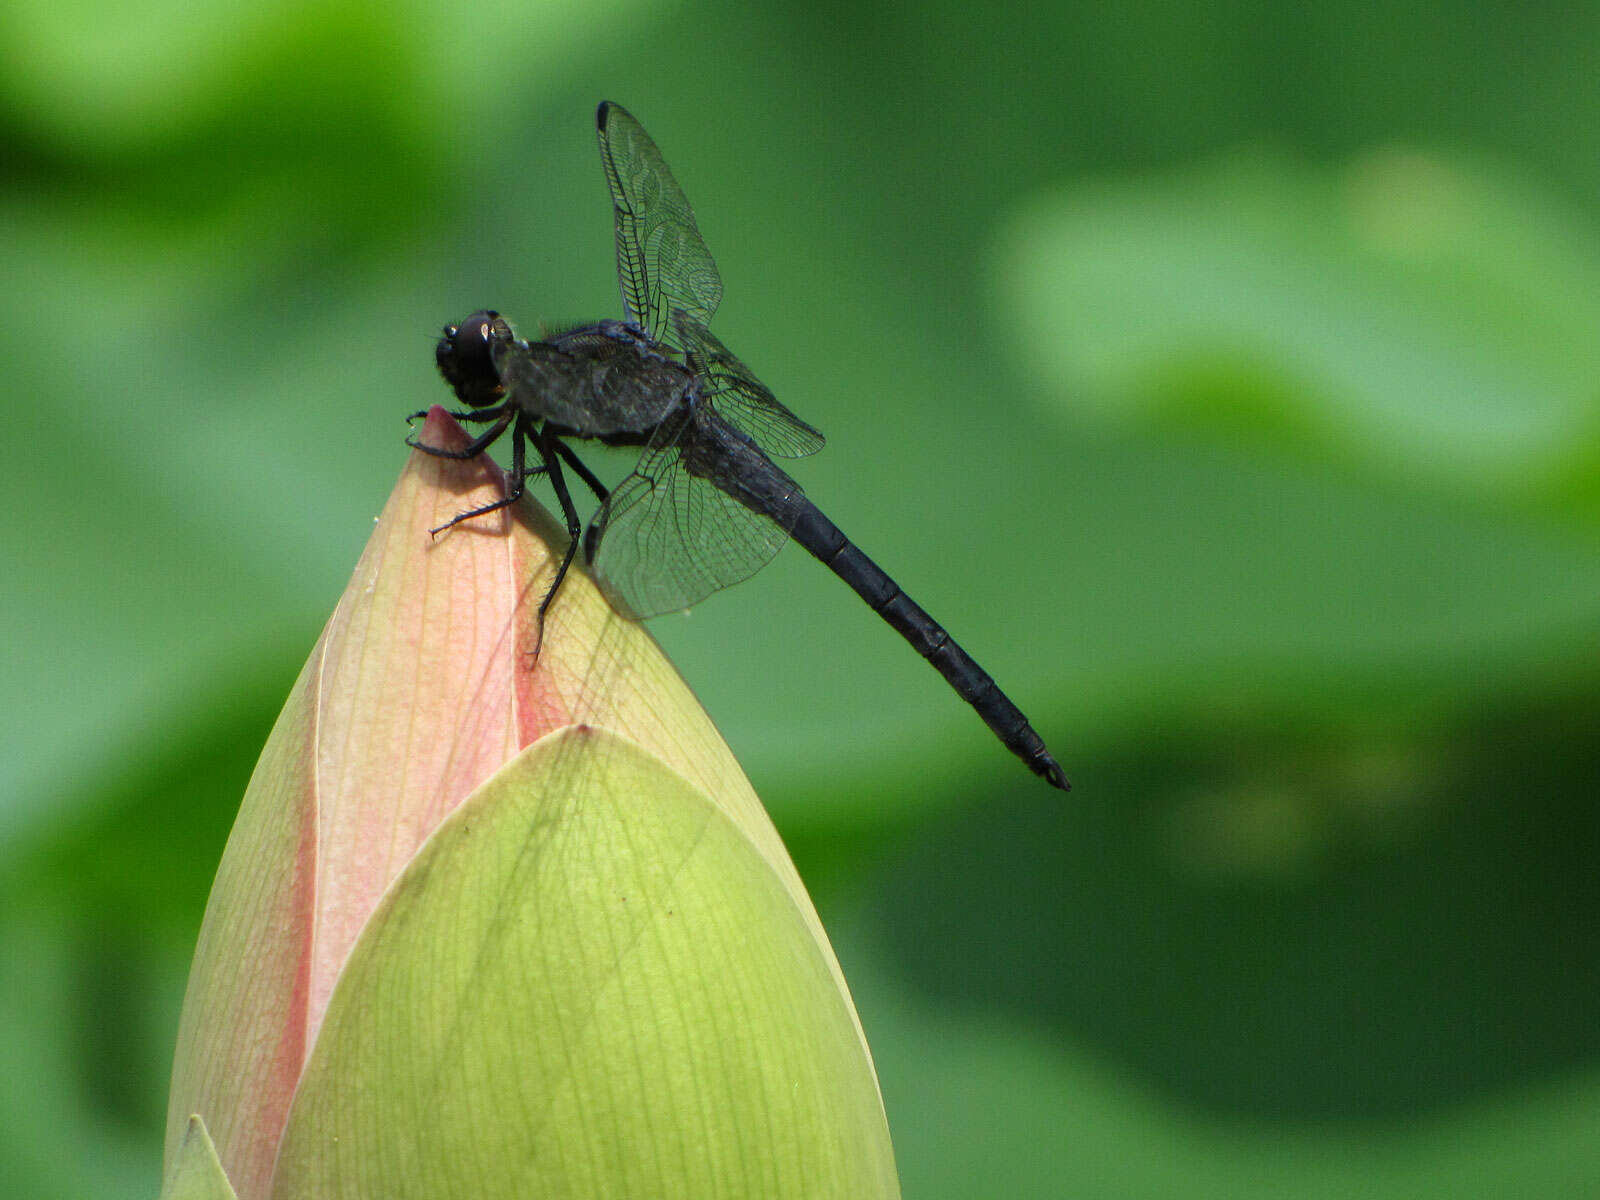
x,y
1226,378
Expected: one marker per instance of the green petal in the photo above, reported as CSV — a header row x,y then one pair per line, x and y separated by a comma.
x,y
590,982
196,1172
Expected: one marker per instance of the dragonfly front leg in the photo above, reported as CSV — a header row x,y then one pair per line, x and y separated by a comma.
x,y
502,417
476,415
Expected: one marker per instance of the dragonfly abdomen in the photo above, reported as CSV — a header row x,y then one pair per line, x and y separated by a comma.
x,y
823,539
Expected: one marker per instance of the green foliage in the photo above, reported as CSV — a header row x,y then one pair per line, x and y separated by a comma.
x,y
1405,313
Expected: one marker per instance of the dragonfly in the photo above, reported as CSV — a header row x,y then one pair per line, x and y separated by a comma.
x,y
705,506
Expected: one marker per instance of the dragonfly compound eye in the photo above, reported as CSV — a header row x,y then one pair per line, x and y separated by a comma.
x,y
464,359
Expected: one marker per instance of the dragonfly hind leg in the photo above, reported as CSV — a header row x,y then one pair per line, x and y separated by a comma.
x,y
552,450
601,492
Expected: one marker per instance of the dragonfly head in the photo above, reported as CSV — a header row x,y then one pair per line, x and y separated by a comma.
x,y
466,359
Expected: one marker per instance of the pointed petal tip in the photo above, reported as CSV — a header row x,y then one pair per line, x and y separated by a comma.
x,y
195,1172
442,430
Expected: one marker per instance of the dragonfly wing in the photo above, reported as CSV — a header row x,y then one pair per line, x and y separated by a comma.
x,y
662,261
738,397
667,538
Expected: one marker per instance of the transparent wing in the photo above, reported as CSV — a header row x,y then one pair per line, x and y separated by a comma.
x,y
667,537
662,262
738,397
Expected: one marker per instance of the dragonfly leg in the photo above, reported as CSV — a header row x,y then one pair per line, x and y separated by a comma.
x,y
478,444
477,415
551,449
516,481
594,485
601,493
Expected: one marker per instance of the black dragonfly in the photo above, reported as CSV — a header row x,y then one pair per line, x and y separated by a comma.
x,y
706,506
